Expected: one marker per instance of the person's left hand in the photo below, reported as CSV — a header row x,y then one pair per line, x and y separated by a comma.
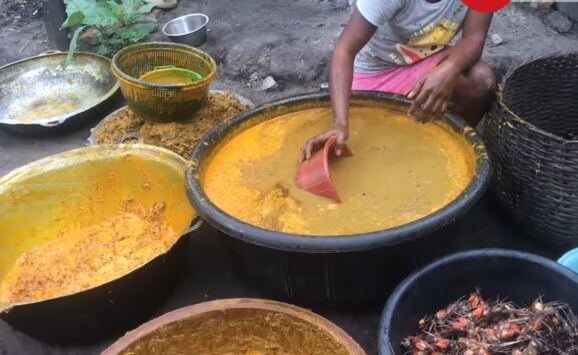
x,y
432,93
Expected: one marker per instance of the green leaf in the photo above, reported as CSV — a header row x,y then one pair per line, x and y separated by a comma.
x,y
111,45
105,50
119,22
136,32
129,5
73,46
145,9
149,20
117,10
96,12
73,19
133,13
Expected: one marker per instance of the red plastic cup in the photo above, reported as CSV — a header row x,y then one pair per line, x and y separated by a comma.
x,y
314,176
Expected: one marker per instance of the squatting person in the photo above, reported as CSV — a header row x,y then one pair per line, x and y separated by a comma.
x,y
403,47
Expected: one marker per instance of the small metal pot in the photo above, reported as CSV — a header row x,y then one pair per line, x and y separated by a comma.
x,y
190,29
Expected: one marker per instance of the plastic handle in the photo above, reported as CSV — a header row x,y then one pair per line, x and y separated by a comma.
x,y
189,73
54,123
194,75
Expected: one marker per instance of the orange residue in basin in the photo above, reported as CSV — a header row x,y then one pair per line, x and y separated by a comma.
x,y
402,171
84,257
87,217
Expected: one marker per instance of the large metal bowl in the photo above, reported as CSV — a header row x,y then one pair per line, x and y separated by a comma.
x,y
190,29
39,94
80,188
232,326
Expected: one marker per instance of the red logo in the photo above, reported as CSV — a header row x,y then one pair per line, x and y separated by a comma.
x,y
486,5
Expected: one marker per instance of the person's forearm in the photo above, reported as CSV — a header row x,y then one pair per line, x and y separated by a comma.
x,y
468,51
464,55
340,79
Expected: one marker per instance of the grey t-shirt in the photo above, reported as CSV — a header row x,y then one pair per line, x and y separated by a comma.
x,y
408,31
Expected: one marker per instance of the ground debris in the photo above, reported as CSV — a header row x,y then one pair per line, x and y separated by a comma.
x,y
496,39
269,84
19,11
559,21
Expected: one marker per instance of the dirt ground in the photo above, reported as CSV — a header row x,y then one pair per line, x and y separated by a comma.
x,y
288,40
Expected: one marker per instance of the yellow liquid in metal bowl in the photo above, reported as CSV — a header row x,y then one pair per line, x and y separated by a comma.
x,y
86,217
401,171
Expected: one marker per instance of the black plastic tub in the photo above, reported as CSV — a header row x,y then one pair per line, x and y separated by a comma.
x,y
520,277
346,270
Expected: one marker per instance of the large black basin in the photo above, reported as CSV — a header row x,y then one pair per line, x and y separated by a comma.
x,y
359,269
519,277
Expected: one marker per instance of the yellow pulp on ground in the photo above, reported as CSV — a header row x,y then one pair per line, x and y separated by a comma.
x,y
85,257
401,171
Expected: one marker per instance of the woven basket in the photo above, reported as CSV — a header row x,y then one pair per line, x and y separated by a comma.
x,y
531,135
161,102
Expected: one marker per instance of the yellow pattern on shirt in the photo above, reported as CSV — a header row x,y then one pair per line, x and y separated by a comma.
x,y
430,35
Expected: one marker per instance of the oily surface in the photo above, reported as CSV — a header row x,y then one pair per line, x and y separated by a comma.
x,y
238,331
180,137
86,257
401,171
83,219
170,77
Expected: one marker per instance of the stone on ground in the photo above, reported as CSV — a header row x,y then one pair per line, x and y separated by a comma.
x,y
269,84
496,39
570,9
559,21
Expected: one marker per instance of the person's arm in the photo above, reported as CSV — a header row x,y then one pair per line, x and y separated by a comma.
x,y
355,35
433,92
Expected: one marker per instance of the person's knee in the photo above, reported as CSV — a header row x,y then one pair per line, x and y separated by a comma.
x,y
475,92
481,82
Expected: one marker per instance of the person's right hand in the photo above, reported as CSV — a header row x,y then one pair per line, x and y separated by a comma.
x,y
314,144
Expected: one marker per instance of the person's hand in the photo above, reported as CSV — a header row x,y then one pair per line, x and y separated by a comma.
x,y
432,93
311,146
